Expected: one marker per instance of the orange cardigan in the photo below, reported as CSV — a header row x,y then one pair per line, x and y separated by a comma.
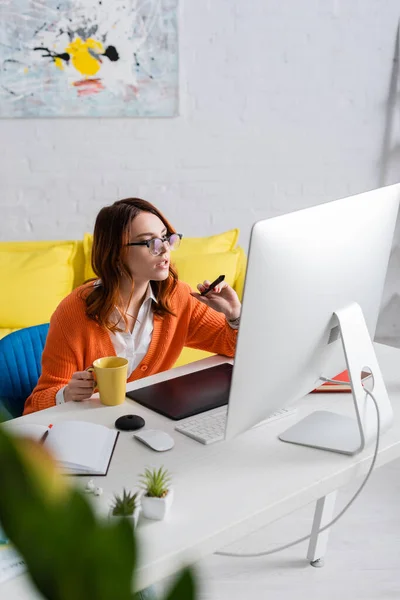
x,y
74,341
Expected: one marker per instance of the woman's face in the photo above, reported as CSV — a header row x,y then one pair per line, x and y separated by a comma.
x,y
142,265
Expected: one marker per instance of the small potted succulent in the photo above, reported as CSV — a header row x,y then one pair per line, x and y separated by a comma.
x,y
157,493
126,506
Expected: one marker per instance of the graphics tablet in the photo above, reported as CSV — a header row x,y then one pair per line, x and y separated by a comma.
x,y
187,395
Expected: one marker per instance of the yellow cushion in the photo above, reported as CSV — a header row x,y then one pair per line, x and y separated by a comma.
x,y
34,278
221,242
189,355
240,273
195,268
87,250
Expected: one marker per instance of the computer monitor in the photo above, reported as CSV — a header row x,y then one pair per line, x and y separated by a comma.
x,y
311,301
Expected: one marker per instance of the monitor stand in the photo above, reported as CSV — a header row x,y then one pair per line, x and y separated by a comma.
x,y
339,433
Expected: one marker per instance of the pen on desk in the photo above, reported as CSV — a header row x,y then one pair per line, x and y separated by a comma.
x,y
213,284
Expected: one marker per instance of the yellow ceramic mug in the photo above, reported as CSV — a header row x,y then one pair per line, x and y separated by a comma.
x,y
111,373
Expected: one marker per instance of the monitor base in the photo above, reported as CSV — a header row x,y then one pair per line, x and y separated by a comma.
x,y
338,433
326,431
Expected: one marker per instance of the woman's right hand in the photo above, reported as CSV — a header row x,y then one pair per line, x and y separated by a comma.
x,y
80,386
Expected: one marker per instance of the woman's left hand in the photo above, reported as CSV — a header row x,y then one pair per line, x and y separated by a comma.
x,y
222,298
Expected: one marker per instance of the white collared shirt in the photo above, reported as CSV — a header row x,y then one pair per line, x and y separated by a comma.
x,y
134,346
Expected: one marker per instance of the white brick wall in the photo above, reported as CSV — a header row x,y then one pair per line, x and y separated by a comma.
x,y
282,106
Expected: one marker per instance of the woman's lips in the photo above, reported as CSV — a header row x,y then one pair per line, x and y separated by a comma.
x,y
163,264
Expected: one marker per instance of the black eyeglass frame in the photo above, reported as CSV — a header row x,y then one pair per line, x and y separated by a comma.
x,y
164,239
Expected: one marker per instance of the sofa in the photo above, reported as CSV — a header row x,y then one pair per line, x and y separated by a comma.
x,y
37,275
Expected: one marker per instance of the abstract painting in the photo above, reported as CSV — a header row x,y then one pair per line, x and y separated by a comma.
x,y
88,58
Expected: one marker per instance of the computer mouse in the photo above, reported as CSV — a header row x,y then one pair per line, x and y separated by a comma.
x,y
129,422
155,439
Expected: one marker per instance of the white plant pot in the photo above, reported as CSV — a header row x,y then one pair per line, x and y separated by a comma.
x,y
132,518
157,508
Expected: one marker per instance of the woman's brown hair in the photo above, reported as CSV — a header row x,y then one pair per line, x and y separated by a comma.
x,y
111,234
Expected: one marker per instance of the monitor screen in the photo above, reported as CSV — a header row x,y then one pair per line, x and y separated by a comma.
x,y
302,267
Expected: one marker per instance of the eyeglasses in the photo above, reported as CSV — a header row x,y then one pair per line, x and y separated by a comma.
x,y
156,245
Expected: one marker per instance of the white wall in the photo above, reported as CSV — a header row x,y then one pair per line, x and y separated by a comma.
x,y
283,105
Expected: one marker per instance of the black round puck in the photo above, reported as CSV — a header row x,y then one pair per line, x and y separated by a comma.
x,y
129,422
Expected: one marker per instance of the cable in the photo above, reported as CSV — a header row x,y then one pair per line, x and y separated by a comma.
x,y
347,506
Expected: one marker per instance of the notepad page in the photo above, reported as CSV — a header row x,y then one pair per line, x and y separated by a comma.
x,y
81,446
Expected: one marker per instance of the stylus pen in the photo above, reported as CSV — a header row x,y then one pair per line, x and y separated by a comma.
x,y
213,284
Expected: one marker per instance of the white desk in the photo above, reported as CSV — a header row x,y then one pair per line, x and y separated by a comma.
x,y
226,490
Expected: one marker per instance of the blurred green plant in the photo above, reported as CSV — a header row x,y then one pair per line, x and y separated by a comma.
x,y
5,415
70,553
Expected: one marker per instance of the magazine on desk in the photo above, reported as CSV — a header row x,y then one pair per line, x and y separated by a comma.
x,y
335,387
340,387
79,447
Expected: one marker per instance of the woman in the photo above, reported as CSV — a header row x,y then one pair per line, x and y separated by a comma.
x,y
136,308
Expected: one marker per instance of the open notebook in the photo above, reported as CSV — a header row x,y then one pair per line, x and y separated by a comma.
x,y
80,447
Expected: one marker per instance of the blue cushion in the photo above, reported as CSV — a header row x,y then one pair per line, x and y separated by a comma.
x,y
20,366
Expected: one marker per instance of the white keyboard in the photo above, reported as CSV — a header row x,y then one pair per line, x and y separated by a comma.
x,y
209,427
